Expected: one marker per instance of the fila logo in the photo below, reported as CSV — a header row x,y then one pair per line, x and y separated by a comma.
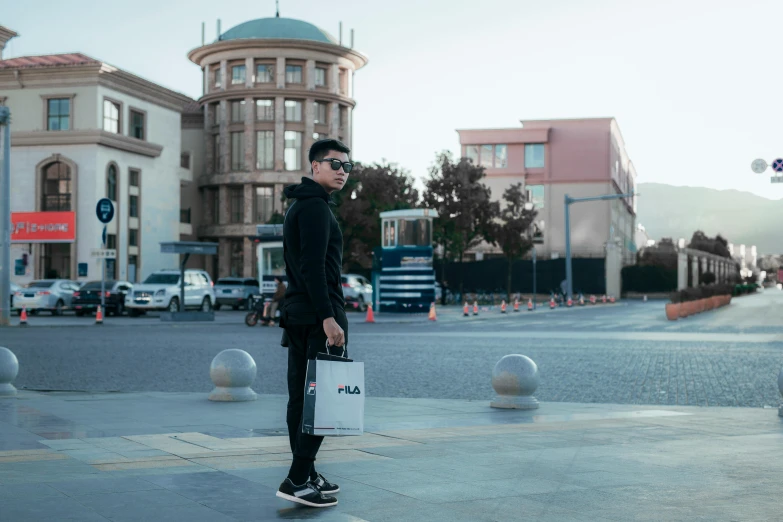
x,y
311,388
347,389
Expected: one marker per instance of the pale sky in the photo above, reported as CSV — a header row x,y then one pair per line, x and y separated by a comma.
x,y
694,84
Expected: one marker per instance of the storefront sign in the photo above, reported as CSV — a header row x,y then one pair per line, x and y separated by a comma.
x,y
43,227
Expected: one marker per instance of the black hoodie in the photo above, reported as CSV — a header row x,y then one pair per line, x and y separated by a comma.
x,y
313,250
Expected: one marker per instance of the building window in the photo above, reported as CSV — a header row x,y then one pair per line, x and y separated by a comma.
x,y
133,237
263,204
58,114
534,156
293,74
238,75
293,110
236,202
56,193
216,154
137,124
133,206
111,240
237,151
111,183
265,73
237,111
133,266
184,160
265,150
343,117
111,116
293,150
501,156
320,113
265,110
215,202
217,77
535,194
134,178
472,153
485,156
320,77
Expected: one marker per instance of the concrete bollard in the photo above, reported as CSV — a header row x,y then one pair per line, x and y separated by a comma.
x,y
232,371
515,379
780,388
9,368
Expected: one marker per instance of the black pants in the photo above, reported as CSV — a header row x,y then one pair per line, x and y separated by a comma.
x,y
304,342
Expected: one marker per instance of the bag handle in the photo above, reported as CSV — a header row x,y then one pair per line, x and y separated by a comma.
x,y
345,345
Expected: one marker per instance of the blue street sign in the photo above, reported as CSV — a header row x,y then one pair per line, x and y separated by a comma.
x,y
777,165
104,210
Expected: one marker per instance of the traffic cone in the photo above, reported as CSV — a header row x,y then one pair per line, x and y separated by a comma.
x,y
603,298
23,317
475,307
370,316
503,307
433,316
552,303
466,309
570,302
516,304
529,305
611,299
592,299
99,316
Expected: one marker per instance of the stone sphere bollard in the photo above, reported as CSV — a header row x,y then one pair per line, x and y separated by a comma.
x,y
9,368
515,379
232,371
780,388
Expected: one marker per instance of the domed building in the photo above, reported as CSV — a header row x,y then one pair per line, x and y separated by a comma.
x,y
271,87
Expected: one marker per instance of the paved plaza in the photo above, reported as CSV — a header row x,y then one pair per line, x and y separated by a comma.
x,y
640,419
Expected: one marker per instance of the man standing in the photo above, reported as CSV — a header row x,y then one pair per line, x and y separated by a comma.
x,y
314,308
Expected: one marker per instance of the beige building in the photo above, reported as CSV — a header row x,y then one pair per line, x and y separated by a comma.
x,y
271,88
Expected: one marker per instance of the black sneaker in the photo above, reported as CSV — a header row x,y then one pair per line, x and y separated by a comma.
x,y
324,486
306,494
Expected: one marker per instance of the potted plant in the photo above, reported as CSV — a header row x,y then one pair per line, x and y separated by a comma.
x,y
673,308
693,300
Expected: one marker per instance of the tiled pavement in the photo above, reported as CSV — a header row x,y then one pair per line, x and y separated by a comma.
x,y
177,456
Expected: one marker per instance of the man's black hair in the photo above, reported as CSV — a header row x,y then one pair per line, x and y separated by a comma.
x,y
321,147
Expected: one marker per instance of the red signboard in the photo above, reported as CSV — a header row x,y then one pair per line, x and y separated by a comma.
x,y
43,227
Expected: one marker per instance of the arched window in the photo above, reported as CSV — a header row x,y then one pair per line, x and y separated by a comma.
x,y
111,183
56,190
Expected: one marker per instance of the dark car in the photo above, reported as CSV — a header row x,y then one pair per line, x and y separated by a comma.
x,y
88,297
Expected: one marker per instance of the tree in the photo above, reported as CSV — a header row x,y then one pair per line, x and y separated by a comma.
x,y
370,190
511,231
718,245
465,212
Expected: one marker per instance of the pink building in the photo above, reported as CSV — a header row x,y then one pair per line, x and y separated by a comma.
x,y
552,158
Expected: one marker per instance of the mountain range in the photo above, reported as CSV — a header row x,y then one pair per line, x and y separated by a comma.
x,y
740,217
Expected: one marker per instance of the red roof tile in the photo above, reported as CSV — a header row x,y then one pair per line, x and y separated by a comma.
x,y
49,60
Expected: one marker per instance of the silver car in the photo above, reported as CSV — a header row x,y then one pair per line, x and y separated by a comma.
x,y
357,291
53,295
235,292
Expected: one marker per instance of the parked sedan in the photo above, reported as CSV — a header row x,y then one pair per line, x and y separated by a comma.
x,y
88,297
357,291
14,288
235,292
53,295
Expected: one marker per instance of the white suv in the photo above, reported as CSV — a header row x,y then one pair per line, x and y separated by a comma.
x,y
160,291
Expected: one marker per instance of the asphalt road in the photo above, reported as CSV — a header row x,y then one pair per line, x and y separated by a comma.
x,y
626,353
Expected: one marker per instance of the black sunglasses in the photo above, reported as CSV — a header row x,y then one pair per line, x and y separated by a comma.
x,y
336,164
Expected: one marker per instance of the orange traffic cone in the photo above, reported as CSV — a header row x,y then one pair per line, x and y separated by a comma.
x,y
516,304
592,299
603,298
552,303
23,317
529,305
475,307
433,316
503,307
570,302
611,299
99,316
466,309
370,316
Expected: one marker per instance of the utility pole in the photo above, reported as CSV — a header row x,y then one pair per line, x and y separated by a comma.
x,y
568,201
5,217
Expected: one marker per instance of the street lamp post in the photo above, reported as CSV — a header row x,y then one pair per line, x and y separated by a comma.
x,y
568,200
5,217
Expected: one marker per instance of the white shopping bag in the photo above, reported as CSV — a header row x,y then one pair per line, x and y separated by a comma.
x,y
334,396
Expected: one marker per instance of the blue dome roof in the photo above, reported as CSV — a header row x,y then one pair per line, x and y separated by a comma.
x,y
285,28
